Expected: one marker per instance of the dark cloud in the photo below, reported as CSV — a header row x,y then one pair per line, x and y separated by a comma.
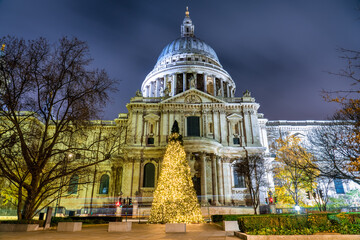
x,y
280,50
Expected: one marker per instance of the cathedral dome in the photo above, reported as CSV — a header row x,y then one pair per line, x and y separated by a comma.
x,y
185,63
186,45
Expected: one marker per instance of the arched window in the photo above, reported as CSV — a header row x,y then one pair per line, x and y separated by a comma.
x,y
149,175
104,184
73,184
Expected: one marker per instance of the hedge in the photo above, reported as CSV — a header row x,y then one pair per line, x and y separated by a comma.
x,y
289,224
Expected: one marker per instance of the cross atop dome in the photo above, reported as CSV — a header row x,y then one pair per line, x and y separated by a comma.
x,y
187,28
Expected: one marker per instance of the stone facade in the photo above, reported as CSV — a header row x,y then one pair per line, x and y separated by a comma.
x,y
188,84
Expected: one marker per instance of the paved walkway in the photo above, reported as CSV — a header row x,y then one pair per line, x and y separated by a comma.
x,y
139,231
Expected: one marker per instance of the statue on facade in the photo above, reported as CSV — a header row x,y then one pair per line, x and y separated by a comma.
x,y
219,92
138,93
166,92
247,93
168,85
192,81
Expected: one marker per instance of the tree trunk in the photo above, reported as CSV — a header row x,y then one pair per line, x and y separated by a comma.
x,y
28,209
29,204
18,211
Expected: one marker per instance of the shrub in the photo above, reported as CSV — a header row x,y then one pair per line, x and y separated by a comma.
x,y
288,224
348,223
274,224
300,224
217,218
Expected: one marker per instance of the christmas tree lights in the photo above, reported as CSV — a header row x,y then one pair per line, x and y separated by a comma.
x,y
175,198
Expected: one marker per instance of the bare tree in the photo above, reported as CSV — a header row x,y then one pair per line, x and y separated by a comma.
x,y
253,169
48,95
340,142
321,193
333,150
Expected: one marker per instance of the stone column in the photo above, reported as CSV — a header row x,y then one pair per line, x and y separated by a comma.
x,y
195,77
157,85
223,126
254,127
222,87
247,128
203,179
152,84
140,125
164,127
214,82
136,126
173,86
242,133
205,82
146,91
203,120
214,180
184,82
220,180
228,90
227,180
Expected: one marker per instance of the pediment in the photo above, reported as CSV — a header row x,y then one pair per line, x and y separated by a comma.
x,y
193,96
234,117
151,117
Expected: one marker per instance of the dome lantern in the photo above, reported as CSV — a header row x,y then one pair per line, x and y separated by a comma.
x,y
187,28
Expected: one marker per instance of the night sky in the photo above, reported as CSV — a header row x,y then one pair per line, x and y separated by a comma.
x,y
280,50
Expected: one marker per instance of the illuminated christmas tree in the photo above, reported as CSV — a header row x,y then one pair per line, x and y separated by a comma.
x,y
175,198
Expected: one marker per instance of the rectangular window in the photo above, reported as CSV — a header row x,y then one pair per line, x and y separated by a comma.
x,y
239,180
193,126
236,141
339,187
150,141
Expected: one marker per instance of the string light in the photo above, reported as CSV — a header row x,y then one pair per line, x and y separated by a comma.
x,y
175,198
